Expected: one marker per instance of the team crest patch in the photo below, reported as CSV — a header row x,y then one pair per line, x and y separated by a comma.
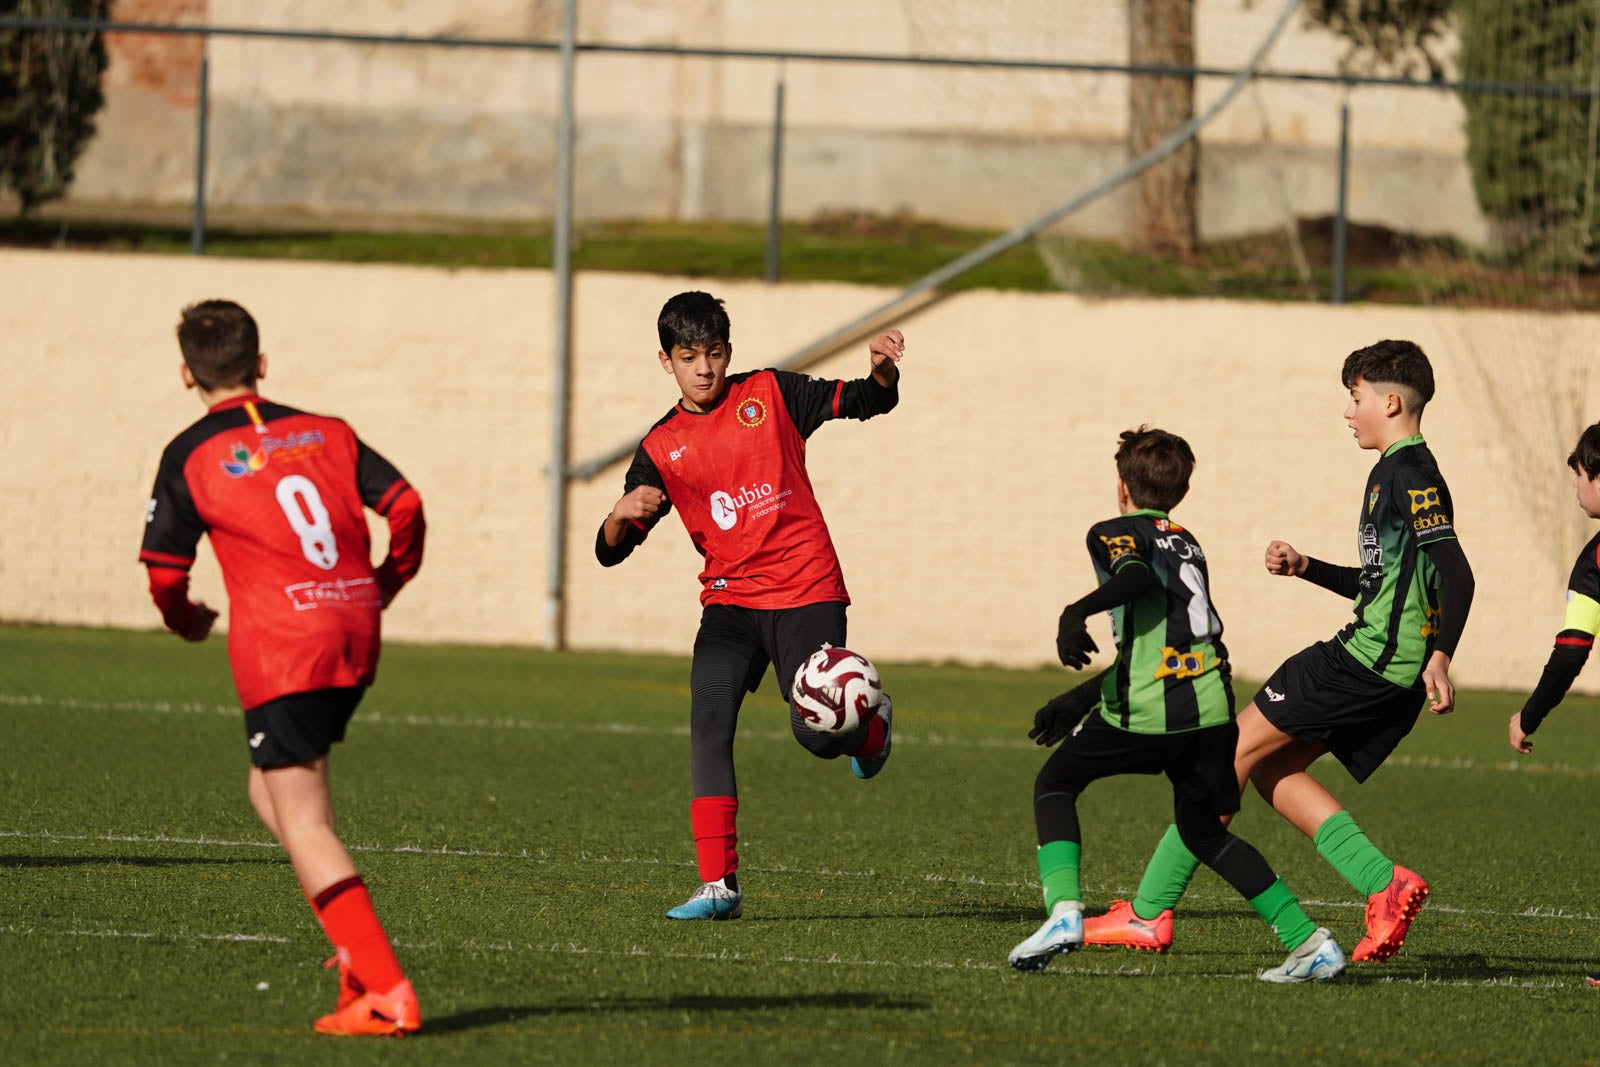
x,y
1175,664
1372,500
751,412
1423,499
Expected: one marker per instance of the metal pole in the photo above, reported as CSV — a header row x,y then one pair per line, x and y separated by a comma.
x,y
197,228
1340,224
774,211
555,590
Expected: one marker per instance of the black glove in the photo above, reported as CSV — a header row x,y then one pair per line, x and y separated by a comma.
x,y
1061,716
1073,643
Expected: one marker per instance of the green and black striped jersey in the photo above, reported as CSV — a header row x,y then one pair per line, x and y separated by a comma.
x,y
1406,506
1171,672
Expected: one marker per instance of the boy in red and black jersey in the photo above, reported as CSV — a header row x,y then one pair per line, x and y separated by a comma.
x,y
730,456
280,492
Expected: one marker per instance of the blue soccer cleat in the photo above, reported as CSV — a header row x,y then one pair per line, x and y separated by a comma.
x,y
1061,933
868,766
713,900
1318,960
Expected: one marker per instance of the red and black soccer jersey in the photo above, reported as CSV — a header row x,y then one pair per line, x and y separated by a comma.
x,y
737,476
280,492
1573,643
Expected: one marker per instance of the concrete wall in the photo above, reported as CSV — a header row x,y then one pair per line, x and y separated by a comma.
x,y
960,517
340,129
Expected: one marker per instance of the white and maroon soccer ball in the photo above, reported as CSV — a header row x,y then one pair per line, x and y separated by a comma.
x,y
835,690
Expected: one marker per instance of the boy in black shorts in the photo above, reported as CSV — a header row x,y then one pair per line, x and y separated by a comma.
x,y
1360,693
1582,619
730,458
281,493
1166,706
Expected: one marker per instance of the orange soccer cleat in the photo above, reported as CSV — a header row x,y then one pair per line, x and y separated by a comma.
x,y
391,1014
1390,912
349,987
1120,926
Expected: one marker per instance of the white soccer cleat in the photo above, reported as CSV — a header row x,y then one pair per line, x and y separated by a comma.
x,y
1062,932
713,900
1317,960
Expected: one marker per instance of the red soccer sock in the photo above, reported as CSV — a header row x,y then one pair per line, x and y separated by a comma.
x,y
873,745
712,820
345,911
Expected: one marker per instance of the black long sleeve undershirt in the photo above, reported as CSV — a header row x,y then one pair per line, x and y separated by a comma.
x,y
1124,587
1346,581
610,555
1456,588
1560,671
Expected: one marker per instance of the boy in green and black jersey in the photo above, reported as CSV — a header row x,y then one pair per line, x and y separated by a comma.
x,y
1582,620
1357,695
1166,707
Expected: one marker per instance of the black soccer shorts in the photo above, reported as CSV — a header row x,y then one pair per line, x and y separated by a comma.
x,y
783,638
1323,693
1199,763
299,728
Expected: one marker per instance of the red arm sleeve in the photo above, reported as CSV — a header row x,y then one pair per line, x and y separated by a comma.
x,y
169,588
408,528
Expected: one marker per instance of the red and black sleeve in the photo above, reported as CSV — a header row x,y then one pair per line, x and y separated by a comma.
x,y
385,490
814,401
642,471
172,532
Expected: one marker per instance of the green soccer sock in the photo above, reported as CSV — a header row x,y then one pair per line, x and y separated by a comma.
x,y
1058,872
1282,911
1166,876
1357,860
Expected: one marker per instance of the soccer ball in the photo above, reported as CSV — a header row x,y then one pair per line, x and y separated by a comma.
x,y
836,690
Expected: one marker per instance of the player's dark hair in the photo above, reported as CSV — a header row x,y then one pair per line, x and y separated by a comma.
x,y
692,320
1585,458
1155,466
219,343
1401,363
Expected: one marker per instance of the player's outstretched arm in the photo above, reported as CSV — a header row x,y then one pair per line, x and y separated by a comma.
x,y
1283,560
887,350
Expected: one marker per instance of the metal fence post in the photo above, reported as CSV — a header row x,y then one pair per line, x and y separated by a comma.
x,y
561,264
1340,223
197,227
774,209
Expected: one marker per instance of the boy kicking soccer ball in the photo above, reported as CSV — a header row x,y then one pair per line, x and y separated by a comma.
x,y
731,457
1582,620
281,492
1166,706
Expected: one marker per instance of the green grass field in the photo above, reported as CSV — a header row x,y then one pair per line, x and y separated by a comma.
x,y
522,820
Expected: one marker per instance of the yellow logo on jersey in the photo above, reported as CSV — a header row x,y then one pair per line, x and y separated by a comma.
x,y
1175,664
1423,499
1430,622
1118,546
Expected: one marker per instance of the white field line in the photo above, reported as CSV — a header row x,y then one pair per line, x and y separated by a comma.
x,y
935,740
1065,970
543,857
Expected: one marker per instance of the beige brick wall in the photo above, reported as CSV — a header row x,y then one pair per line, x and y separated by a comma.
x,y
960,517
